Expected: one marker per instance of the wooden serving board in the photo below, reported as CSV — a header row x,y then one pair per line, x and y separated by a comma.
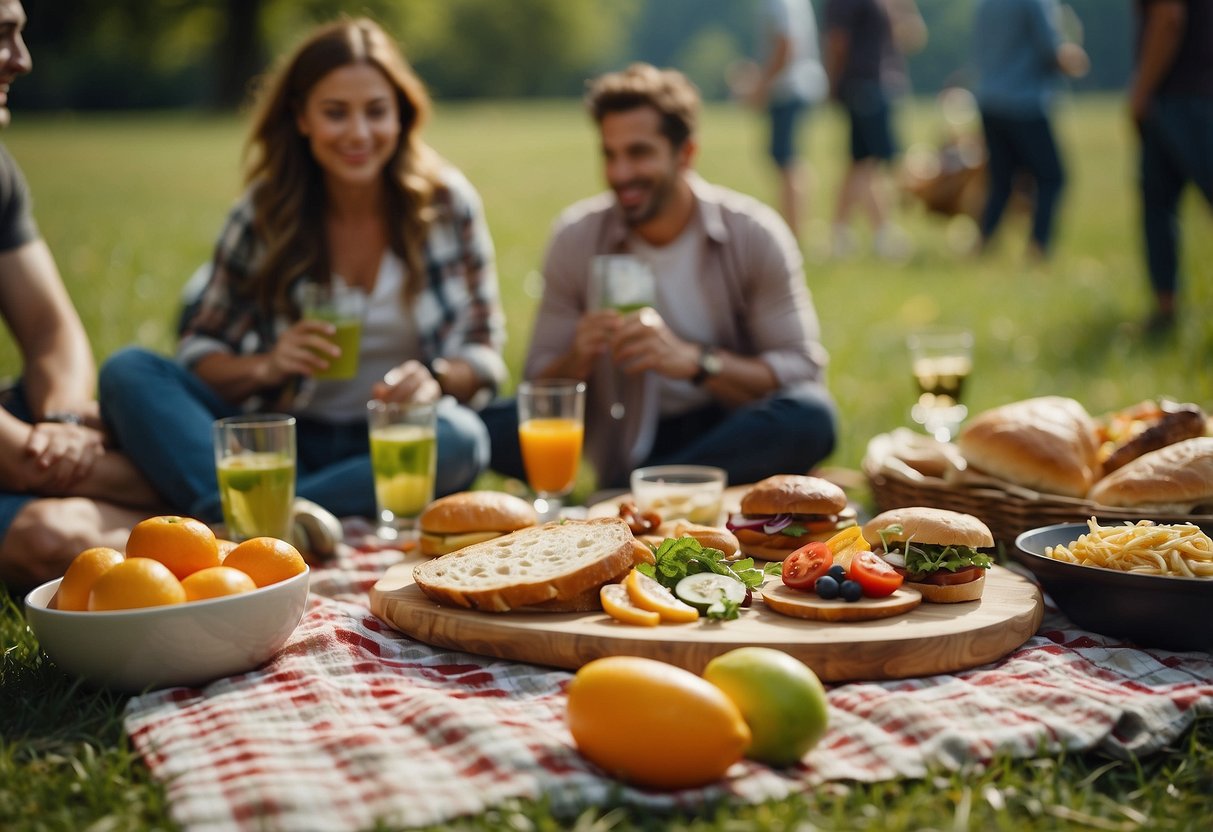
x,y
930,639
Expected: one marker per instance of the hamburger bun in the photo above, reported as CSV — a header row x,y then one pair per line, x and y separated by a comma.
x,y
450,523
951,593
930,525
1048,444
1174,479
793,494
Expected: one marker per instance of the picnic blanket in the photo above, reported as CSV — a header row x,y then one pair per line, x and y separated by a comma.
x,y
353,722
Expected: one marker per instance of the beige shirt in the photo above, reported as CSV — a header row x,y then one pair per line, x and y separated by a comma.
x,y
752,278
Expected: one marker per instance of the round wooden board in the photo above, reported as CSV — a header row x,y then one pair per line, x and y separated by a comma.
x,y
930,639
785,601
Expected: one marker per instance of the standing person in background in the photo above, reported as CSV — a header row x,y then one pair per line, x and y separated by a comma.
x,y
789,81
1020,54
865,43
726,368
341,187
58,477
1171,103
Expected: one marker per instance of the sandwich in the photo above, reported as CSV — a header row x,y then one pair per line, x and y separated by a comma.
x,y
935,549
553,567
1048,444
458,520
784,512
1175,479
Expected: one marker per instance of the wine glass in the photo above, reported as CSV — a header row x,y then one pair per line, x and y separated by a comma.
x,y
551,427
626,284
941,360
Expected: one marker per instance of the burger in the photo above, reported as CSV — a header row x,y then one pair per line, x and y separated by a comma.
x,y
935,549
458,520
782,513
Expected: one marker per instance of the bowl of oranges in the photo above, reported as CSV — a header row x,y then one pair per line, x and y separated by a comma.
x,y
180,607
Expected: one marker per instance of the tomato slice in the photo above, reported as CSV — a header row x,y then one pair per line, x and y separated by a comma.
x,y
945,578
802,568
877,578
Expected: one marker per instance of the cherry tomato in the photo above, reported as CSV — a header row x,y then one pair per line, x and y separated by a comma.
x,y
877,578
802,568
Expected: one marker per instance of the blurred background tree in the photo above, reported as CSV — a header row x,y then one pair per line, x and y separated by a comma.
x,y
137,54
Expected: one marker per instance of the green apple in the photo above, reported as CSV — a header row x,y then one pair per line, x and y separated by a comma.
x,y
779,697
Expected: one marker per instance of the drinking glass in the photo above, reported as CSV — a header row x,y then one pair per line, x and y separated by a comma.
x,y
624,283
342,306
551,426
404,460
255,467
941,360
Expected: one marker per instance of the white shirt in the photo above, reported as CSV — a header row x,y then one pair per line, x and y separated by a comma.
x,y
803,78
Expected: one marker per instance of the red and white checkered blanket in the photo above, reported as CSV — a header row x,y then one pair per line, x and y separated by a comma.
x,y
353,722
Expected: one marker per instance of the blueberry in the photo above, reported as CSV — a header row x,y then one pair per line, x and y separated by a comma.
x,y
851,591
826,587
837,572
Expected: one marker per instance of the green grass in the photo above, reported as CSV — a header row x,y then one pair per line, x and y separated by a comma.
x,y
131,205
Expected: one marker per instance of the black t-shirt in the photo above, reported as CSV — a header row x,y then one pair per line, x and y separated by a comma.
x,y
872,58
17,225
1192,71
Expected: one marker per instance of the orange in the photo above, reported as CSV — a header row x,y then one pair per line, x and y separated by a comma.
x,y
267,560
618,605
135,583
224,546
648,594
654,724
84,570
182,544
215,582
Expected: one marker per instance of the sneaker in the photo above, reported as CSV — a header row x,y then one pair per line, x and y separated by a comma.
x,y
314,529
1160,324
842,242
891,243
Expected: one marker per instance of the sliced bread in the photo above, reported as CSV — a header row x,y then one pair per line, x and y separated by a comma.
x,y
552,562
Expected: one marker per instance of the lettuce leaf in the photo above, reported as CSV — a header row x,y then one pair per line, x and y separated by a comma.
x,y
678,557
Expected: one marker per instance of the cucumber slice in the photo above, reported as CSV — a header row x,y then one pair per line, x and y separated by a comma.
x,y
707,589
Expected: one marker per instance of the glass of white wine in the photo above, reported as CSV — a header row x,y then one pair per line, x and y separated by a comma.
x,y
941,361
625,283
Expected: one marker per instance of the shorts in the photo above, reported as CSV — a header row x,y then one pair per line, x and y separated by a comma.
x,y
11,503
785,121
871,124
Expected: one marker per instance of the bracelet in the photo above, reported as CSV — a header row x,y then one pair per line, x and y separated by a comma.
x,y
63,417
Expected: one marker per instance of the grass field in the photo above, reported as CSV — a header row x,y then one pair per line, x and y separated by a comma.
x,y
131,206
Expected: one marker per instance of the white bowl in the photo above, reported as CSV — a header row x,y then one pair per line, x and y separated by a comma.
x,y
179,644
681,492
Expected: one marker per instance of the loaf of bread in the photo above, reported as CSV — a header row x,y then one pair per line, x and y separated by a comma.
x,y
552,562
1174,479
1048,444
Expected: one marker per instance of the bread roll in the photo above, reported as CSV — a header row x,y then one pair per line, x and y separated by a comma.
x,y
1048,444
937,526
793,494
1175,479
553,562
450,523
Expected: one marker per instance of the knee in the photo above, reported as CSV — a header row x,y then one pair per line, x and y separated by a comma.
x,y
130,366
808,419
42,541
463,450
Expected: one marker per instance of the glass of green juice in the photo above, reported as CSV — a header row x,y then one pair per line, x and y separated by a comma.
x,y
404,460
255,467
343,306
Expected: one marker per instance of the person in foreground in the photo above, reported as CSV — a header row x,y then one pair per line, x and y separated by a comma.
x,y
1020,54
1171,103
60,482
341,188
726,367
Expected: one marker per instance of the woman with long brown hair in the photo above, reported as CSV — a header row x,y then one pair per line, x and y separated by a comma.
x,y
341,191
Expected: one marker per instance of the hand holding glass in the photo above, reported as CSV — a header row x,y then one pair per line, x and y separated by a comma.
x,y
404,461
255,466
626,284
551,427
941,361
344,307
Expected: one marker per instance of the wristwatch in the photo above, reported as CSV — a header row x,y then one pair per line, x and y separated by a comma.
x,y
710,365
63,417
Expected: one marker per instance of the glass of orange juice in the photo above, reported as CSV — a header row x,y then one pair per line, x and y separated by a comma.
x,y
551,426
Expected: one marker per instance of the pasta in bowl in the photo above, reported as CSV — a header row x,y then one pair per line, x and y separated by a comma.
x,y
1137,581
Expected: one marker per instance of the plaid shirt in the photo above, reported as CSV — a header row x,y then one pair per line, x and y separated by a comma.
x,y
457,314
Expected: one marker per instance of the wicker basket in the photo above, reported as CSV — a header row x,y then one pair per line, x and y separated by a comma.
x,y
1008,512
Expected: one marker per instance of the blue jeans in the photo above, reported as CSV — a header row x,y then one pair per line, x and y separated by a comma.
x,y
871,113
786,433
1015,143
161,416
1176,148
785,123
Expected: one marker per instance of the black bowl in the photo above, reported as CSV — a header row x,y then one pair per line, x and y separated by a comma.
x,y
1151,610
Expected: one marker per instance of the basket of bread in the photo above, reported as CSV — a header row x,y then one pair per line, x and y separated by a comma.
x,y
1046,460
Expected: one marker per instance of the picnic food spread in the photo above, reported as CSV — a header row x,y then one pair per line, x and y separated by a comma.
x,y
458,520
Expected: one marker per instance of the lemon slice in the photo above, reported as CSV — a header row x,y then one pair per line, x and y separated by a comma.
x,y
618,604
648,594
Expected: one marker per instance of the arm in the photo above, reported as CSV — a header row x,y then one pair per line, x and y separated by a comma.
x,y
837,53
1162,33
909,29
781,55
